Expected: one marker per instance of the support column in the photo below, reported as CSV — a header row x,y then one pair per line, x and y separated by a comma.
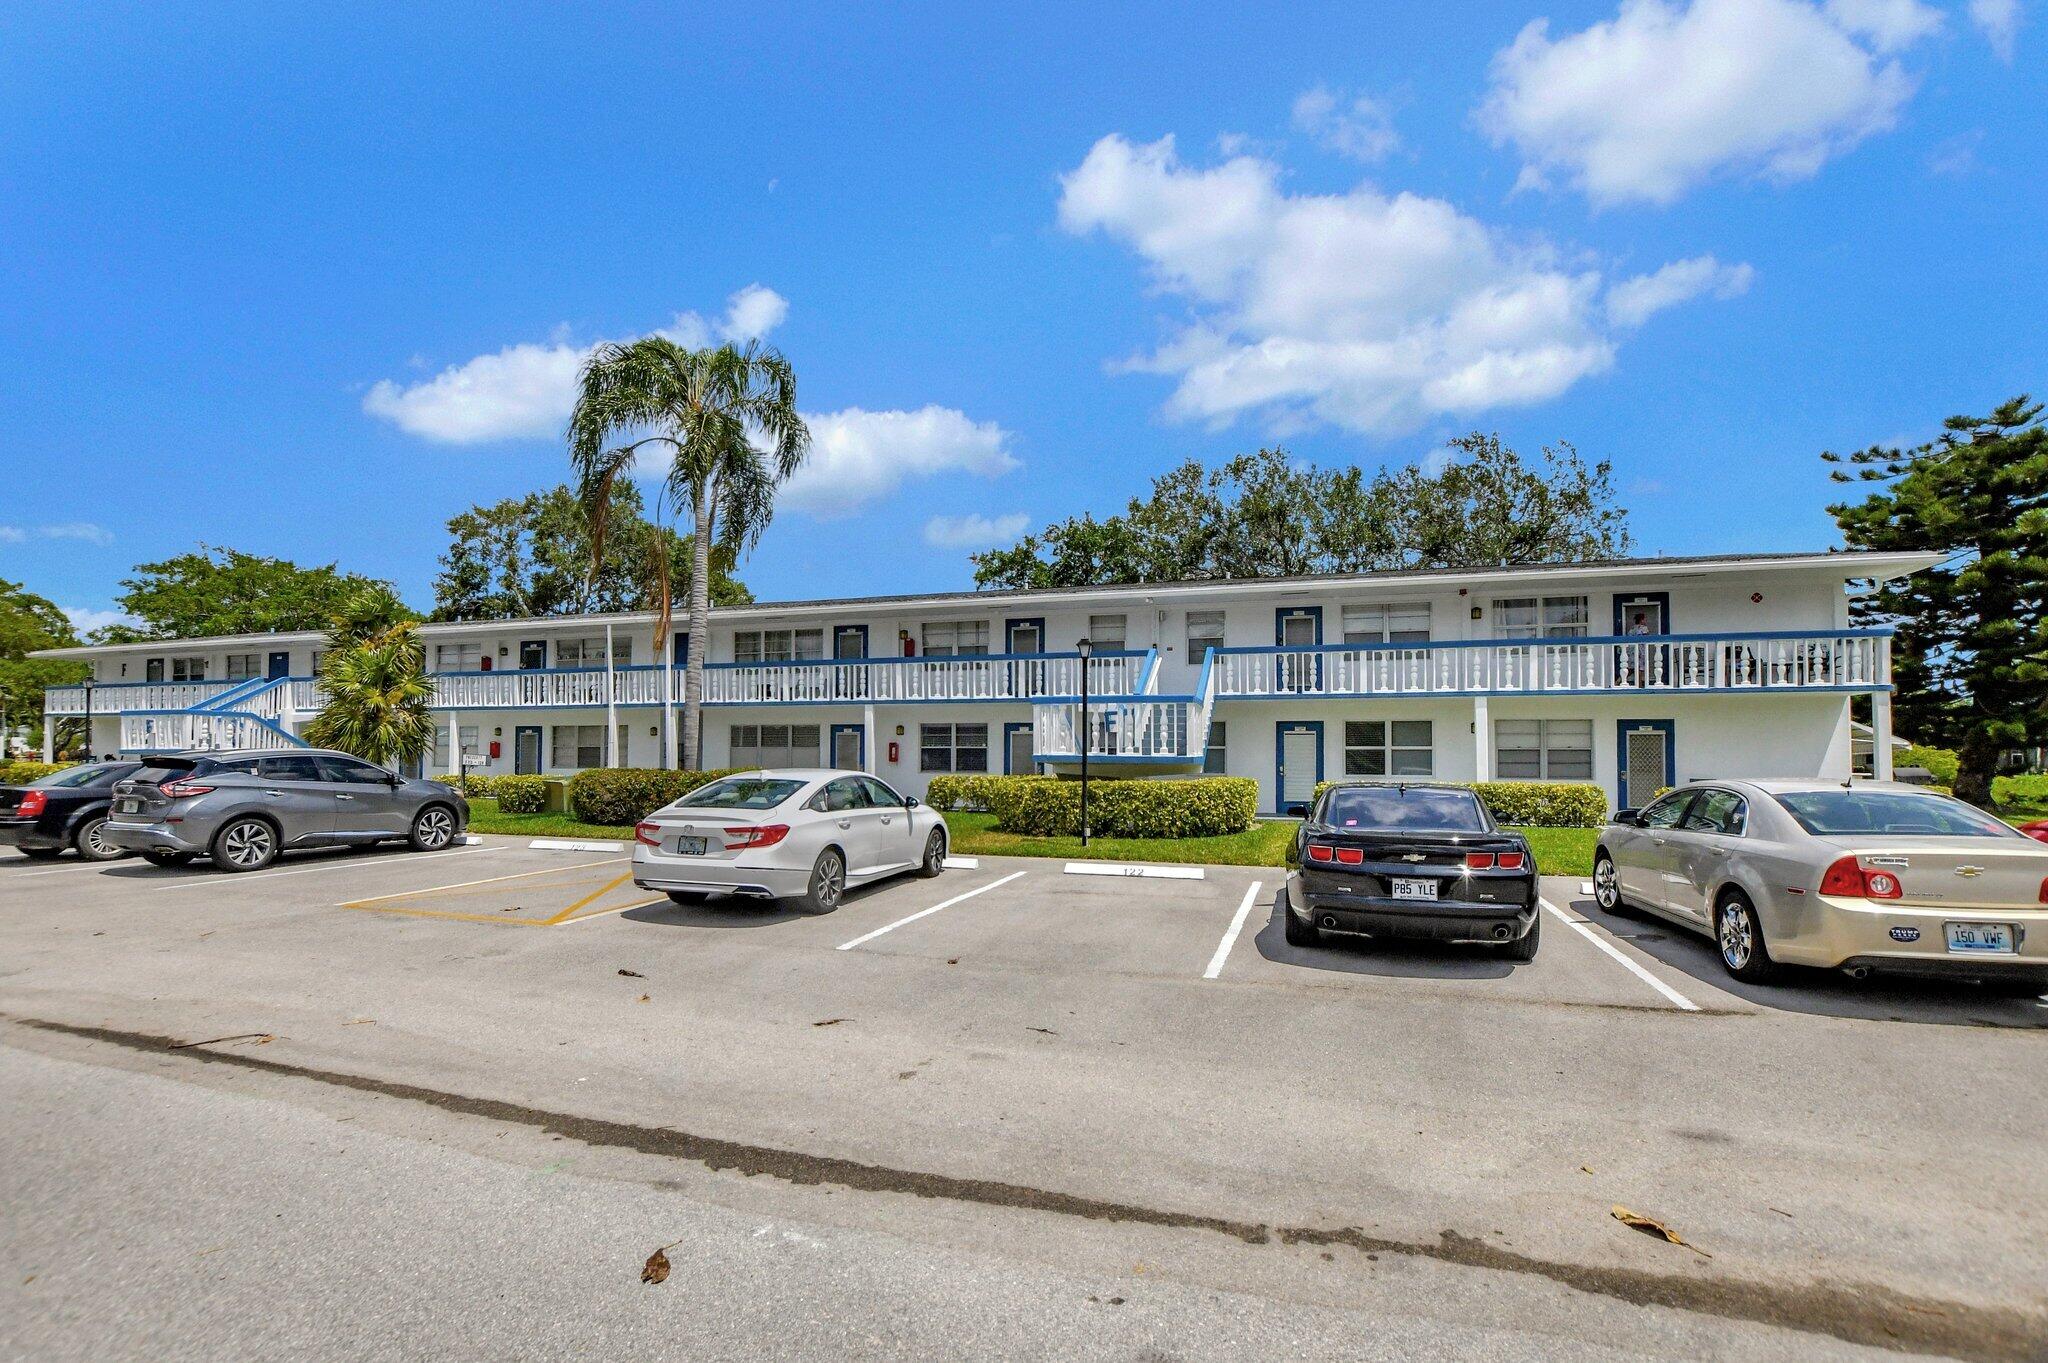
x,y
454,744
49,737
1881,735
611,704
867,741
1482,741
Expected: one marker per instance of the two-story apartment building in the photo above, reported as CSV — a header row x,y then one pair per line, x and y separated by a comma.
x,y
1632,673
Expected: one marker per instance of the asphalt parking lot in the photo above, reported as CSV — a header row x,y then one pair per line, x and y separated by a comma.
x,y
1040,1090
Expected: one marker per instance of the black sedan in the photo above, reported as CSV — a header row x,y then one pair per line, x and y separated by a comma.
x,y
67,808
1411,859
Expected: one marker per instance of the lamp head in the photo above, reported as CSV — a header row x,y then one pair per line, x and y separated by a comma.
x,y
1084,648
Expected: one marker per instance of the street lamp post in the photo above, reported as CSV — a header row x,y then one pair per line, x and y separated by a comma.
x,y
88,719
1084,648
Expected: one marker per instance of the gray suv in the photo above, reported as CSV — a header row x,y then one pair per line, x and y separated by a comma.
x,y
243,808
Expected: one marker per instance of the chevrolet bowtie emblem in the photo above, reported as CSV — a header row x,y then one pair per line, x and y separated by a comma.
x,y
1411,856
1967,872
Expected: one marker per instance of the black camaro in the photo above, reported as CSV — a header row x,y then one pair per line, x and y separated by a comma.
x,y
67,808
1411,860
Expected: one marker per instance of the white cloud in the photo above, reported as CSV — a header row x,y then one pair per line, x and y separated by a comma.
x,y
974,531
1362,130
86,619
1999,22
1632,302
525,391
1368,311
857,456
1664,96
68,530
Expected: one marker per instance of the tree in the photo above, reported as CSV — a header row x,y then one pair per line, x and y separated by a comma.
x,y
1264,515
531,556
29,622
704,411
1970,655
216,591
374,678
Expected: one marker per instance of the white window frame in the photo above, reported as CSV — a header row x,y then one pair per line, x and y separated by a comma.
x,y
1391,622
244,666
1109,633
778,645
946,738
749,745
954,638
1200,643
1553,743
186,669
1396,747
466,657
1542,617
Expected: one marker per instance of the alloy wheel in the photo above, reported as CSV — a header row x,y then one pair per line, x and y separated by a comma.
x,y
828,882
247,844
436,828
96,844
935,851
1606,889
1737,943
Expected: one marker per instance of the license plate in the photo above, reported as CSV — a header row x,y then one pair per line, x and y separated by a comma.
x,y
1405,888
130,806
1985,937
690,847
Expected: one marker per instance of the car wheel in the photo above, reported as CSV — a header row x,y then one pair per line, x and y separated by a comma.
x,y
687,898
828,883
245,845
432,830
157,856
1300,931
91,841
1606,884
934,854
1740,936
1523,948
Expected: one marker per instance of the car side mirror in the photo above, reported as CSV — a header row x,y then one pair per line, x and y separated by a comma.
x,y
1297,811
1632,817
910,802
393,779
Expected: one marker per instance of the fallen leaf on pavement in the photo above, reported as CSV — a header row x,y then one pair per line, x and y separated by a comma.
x,y
1651,1226
645,997
258,1038
632,974
655,1270
1585,1168
831,1022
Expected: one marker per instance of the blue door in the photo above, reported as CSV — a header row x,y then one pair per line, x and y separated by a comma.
x,y
526,750
1018,756
1298,627
849,747
280,665
1297,762
1647,754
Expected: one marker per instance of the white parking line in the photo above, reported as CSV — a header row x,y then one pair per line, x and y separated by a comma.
x,y
1119,868
64,870
1230,937
487,880
923,913
327,864
1585,930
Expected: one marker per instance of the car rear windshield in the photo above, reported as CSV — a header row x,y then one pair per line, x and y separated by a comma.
x,y
1404,807
73,777
741,792
1831,813
156,771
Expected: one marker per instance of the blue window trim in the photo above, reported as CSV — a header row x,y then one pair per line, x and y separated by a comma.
x,y
1012,727
540,738
1280,757
1621,776
866,643
1039,621
1281,615
1622,601
1573,641
860,733
519,651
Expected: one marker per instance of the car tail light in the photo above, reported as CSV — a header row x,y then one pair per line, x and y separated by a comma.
x,y
1848,879
1351,856
1479,861
757,835
183,790
1321,851
1510,861
33,802
647,834
2044,891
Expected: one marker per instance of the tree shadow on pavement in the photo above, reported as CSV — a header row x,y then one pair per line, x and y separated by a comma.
x,y
1390,958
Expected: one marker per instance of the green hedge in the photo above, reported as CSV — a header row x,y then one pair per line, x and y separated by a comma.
x,y
21,773
2019,790
481,786
616,796
1047,806
520,794
1940,763
1539,804
969,792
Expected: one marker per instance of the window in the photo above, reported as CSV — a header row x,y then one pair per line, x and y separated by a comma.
x,y
843,794
1665,813
1205,631
1106,632
1544,749
955,638
348,770
740,792
774,745
1213,751
319,658
188,669
243,666
1541,617
287,767
588,651
1718,811
777,645
879,795
575,746
458,657
1389,747
952,747
1836,813
1400,623
1377,807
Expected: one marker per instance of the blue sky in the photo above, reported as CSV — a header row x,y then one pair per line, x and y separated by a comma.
x,y
309,281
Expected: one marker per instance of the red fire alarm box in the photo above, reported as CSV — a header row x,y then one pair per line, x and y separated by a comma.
x,y
494,749
892,750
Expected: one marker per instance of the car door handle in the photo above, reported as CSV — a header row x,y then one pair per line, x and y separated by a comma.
x,y
273,792
344,797
846,823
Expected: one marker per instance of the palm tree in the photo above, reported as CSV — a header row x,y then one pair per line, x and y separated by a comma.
x,y
375,680
704,409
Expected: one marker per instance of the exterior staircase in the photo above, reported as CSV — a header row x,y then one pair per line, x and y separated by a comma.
x,y
250,715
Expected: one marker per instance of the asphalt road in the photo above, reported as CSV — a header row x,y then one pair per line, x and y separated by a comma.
x,y
1007,1113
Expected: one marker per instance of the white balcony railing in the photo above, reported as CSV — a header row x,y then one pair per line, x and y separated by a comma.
x,y
191,730
1121,730
1843,660
113,698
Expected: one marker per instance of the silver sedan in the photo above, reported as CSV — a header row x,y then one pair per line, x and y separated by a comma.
x,y
802,835
1864,877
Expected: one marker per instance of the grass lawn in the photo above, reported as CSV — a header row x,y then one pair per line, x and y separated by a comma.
x,y
485,817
